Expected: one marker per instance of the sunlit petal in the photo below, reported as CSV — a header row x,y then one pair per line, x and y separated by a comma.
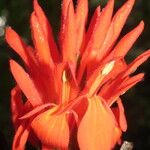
x,y
97,122
53,131
23,79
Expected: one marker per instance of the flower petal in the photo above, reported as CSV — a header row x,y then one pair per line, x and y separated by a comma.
x,y
96,129
120,115
81,18
25,83
46,27
120,18
21,137
136,63
68,32
127,41
18,45
100,29
52,129
116,26
40,42
92,25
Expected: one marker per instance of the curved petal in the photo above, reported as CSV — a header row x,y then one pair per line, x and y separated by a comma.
x,y
120,115
136,63
18,46
120,18
46,27
128,83
96,129
40,42
25,83
52,129
36,110
21,137
100,30
127,41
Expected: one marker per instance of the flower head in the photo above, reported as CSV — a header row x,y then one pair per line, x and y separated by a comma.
x,y
70,87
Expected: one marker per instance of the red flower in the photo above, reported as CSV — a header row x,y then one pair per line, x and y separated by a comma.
x,y
69,88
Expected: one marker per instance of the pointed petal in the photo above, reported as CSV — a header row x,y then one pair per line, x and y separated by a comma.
x,y
25,83
81,18
21,137
116,26
40,42
17,44
131,80
127,84
68,32
100,30
92,24
136,63
52,129
120,115
96,128
47,30
122,118
120,18
16,105
128,40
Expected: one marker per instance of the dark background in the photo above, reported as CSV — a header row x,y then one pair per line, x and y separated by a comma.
x,y
16,13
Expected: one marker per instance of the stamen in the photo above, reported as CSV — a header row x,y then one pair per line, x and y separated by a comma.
x,y
106,70
108,67
64,78
65,88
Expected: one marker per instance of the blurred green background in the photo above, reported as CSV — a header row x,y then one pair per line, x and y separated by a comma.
x,y
16,13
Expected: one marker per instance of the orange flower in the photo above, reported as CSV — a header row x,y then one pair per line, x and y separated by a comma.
x,y
70,88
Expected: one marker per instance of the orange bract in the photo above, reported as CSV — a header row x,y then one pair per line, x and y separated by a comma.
x,y
70,87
